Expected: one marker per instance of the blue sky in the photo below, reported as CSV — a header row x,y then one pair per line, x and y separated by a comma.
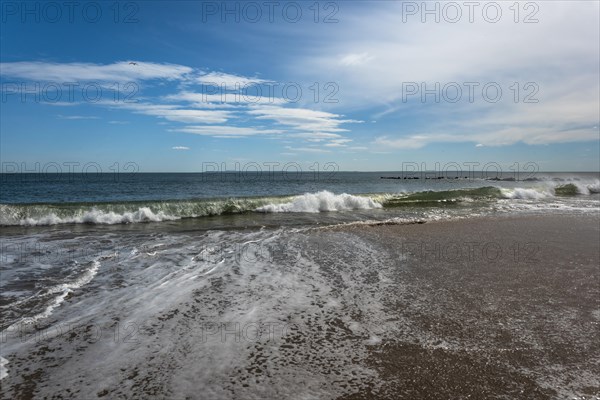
x,y
367,85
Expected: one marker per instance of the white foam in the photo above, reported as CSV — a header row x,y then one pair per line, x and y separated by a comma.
x,y
95,216
525,193
63,291
588,187
594,188
373,340
3,369
321,202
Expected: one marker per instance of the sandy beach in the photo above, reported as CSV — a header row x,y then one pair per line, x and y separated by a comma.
x,y
512,302
503,307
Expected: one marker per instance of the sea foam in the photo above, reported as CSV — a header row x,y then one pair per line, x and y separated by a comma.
x,y
322,202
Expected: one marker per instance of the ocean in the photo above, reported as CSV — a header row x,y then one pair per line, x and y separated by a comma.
x,y
241,285
255,198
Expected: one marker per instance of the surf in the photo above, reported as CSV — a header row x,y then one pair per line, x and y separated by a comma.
x,y
324,201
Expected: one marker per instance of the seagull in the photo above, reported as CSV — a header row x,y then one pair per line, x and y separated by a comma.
x,y
132,63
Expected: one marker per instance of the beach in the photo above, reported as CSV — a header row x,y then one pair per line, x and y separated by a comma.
x,y
300,200
516,326
488,307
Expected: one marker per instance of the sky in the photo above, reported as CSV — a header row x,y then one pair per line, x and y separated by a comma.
x,y
175,86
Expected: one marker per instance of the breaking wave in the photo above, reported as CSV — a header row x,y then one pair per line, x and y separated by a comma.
x,y
323,201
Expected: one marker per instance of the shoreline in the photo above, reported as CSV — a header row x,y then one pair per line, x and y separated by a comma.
x,y
373,311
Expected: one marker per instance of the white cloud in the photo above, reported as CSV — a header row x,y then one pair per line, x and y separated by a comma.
x,y
313,136
355,59
308,149
231,82
76,72
560,54
60,103
191,116
189,107
401,143
76,117
302,118
227,131
338,143
180,148
173,113
492,137
224,99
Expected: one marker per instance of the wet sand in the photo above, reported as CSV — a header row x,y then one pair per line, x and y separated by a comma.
x,y
516,313
494,308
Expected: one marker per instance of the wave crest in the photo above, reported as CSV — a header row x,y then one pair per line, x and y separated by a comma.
x,y
323,201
